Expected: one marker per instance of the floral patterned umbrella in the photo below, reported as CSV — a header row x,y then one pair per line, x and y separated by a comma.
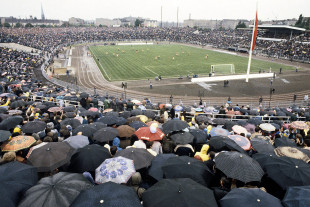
x,y
118,170
219,131
18,143
243,142
299,125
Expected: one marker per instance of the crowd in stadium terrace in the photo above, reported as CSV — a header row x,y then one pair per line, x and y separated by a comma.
x,y
48,132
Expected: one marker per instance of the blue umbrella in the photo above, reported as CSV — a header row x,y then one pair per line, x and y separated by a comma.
x,y
155,170
219,131
178,108
297,196
78,141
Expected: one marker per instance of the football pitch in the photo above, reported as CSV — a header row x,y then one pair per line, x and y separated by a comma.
x,y
136,62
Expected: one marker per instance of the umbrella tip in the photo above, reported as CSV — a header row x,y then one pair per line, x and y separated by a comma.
x,y
48,149
101,201
296,166
258,200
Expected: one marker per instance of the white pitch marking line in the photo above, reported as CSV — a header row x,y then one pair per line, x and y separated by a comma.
x,y
206,86
101,65
285,81
150,70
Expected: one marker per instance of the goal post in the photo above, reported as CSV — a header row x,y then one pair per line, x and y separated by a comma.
x,y
223,69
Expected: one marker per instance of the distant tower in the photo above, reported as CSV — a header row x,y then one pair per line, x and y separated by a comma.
x,y
178,17
42,13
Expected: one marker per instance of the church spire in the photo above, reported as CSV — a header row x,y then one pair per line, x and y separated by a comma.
x,y
42,13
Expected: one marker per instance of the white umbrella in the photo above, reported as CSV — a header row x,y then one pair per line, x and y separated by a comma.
x,y
267,127
239,129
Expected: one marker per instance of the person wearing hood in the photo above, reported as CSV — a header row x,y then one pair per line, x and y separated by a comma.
x,y
116,142
203,154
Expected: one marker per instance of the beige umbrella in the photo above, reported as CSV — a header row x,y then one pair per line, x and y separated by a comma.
x,y
299,125
267,127
291,152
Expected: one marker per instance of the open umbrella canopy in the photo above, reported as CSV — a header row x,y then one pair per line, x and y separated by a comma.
x,y
239,129
118,170
84,95
174,125
202,119
143,118
267,127
54,109
219,121
107,110
74,123
88,158
200,136
46,157
149,134
297,196
283,141
149,114
107,194
4,135
14,112
255,121
242,141
182,138
125,131
156,168
136,112
121,121
60,189
125,114
137,124
286,171
69,109
86,129
218,144
89,113
105,134
11,122
18,103
33,127
299,125
291,152
78,141
261,145
141,157
253,197
108,120
250,127
98,125
182,192
18,143
111,113
15,179
187,167
219,131
239,166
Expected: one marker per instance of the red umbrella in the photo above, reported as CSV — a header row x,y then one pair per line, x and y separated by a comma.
x,y
145,133
93,109
243,142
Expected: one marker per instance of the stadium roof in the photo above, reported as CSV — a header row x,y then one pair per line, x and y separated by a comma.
x,y
269,26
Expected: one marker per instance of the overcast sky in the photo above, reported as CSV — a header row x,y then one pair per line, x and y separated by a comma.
x,y
199,9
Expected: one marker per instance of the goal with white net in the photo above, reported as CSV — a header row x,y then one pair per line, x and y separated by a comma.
x,y
223,69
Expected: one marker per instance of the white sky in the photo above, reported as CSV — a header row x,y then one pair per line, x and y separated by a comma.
x,y
199,9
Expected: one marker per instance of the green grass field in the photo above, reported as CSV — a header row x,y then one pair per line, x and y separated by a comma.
x,y
119,63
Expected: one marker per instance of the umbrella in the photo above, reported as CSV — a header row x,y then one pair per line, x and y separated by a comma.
x,y
219,121
242,123
291,152
283,141
229,125
277,126
3,110
132,119
42,107
84,95
297,196
93,109
60,189
136,112
143,118
156,167
108,194
250,128
88,158
200,136
46,157
78,141
17,104
178,108
118,170
54,109
267,127
255,121
70,121
125,131
262,158
239,166
121,121
239,129
146,133
89,113
149,114
70,114
69,109
187,167
218,144
4,135
15,179
33,127
253,197
182,138
261,145
13,112
137,124
219,131
107,110
98,125
181,192
286,171
202,119
141,157
112,113
105,134
109,120
174,125
299,125
125,114
86,129
243,142
18,143
11,122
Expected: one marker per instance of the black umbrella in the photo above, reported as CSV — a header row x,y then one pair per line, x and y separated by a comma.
x,y
69,109
98,125
229,124
4,116
155,170
33,127
255,121
70,114
15,179
297,196
241,123
42,107
262,158
149,114
107,194
283,141
239,166
60,189
136,112
253,197
86,129
4,135
125,114
17,104
109,120
81,109
88,158
11,122
89,113
137,124
277,126
182,192
174,125
219,121
3,110
218,144
200,136
121,121
141,157
49,156
105,134
202,119
261,145
84,95
182,138
112,113
72,122
286,171
187,167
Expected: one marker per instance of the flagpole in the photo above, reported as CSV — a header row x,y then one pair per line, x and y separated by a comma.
x,y
251,49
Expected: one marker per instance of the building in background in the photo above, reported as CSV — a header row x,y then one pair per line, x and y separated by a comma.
x,y
34,21
76,21
108,22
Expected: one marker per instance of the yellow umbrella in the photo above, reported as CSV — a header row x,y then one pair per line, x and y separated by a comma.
x,y
143,118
